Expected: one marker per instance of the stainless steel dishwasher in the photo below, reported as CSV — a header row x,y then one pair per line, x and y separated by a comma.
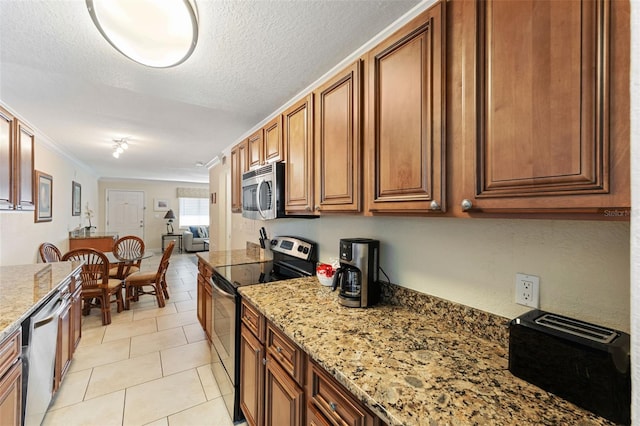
x,y
39,356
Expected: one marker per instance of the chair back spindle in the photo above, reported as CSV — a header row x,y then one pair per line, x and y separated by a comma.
x,y
49,253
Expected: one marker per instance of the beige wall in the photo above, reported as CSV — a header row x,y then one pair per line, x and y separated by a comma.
x,y
20,236
155,224
583,265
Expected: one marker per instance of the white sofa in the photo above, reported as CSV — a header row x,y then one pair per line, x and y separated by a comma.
x,y
192,243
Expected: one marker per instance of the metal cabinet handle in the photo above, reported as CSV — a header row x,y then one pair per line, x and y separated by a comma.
x,y
257,351
333,406
264,361
317,208
435,205
308,208
279,349
466,205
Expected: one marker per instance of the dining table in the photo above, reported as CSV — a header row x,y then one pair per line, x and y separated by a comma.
x,y
125,262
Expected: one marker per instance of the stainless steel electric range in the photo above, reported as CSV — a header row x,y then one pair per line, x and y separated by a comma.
x,y
292,258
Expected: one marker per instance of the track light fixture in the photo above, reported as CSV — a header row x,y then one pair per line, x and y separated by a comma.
x,y
120,146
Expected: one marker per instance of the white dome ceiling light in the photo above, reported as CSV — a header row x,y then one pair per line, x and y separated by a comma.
x,y
155,33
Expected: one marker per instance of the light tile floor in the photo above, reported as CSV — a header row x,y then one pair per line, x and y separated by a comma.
x,y
149,366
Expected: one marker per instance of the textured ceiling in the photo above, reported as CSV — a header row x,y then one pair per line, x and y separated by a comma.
x,y
58,73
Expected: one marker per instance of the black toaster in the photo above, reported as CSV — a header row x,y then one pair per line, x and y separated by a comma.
x,y
583,363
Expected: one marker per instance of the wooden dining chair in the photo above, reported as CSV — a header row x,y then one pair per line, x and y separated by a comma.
x,y
49,253
127,247
153,283
98,290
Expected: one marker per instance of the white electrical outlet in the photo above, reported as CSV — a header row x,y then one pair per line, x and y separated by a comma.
x,y
528,290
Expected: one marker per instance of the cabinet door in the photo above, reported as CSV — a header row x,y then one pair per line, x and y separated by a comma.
x,y
201,303
538,92
11,396
251,377
76,316
338,142
405,138
208,311
298,143
239,165
256,149
24,175
63,347
7,160
284,399
273,150
204,304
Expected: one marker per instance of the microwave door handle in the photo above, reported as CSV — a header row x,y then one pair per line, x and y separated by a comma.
x,y
262,182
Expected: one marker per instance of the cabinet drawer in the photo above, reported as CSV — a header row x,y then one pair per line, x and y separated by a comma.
x,y
253,319
335,401
287,353
315,417
10,350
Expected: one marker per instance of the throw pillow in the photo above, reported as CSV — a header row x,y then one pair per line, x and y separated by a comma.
x,y
203,231
194,231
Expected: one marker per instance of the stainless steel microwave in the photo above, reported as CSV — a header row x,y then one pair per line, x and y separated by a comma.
x,y
263,192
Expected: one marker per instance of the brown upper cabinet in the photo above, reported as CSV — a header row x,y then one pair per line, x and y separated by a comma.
x,y
298,145
239,165
24,182
256,149
338,142
7,148
405,165
545,106
273,149
17,143
265,145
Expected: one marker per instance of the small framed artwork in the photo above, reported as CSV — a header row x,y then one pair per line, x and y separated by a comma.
x,y
160,204
76,198
44,197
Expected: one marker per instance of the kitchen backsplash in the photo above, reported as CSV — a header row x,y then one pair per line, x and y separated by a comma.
x,y
452,316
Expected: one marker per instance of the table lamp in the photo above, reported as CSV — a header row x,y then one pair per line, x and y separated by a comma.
x,y
170,216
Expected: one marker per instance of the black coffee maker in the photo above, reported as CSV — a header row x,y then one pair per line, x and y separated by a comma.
x,y
357,276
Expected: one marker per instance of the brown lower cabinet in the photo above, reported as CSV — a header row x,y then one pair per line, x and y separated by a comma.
x,y
333,404
205,299
269,393
69,330
283,397
280,387
11,380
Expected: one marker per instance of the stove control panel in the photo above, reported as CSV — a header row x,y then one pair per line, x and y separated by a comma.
x,y
295,247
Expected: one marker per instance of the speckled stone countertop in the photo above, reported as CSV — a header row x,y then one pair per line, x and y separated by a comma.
x,y
25,287
230,257
423,362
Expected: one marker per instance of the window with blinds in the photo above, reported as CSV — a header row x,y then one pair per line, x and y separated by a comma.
x,y
193,212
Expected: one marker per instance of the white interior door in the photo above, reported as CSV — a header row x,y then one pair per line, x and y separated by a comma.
x,y
125,212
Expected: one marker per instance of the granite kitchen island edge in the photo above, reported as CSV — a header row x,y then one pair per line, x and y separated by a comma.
x,y
21,292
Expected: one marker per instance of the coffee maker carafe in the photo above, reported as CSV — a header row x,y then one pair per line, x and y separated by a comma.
x,y
357,276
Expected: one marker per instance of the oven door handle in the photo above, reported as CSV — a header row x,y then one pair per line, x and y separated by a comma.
x,y
220,290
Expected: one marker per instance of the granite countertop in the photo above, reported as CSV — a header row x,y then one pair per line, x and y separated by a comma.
x,y
25,287
230,257
412,367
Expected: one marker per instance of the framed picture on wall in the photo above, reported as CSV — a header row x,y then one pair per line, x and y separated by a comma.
x,y
160,204
44,197
76,198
